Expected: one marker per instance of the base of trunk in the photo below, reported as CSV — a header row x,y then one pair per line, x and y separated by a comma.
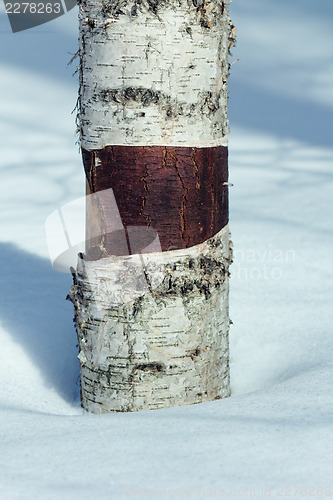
x,y
153,328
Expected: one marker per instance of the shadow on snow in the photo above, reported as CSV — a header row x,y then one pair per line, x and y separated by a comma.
x,y
33,309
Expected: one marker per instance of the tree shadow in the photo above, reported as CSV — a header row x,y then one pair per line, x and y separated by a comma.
x,y
280,115
34,311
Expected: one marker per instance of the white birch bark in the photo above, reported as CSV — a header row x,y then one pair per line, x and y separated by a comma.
x,y
154,72
153,328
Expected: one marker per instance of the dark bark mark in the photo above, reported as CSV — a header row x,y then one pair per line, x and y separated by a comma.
x,y
208,102
134,10
195,353
142,95
154,5
149,367
179,192
198,4
117,8
232,36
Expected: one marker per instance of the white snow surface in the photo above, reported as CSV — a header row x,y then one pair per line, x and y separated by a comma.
x,y
274,436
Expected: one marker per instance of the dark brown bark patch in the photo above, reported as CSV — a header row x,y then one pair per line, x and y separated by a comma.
x,y
179,192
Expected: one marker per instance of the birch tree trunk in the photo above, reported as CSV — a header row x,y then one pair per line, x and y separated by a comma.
x,y
151,292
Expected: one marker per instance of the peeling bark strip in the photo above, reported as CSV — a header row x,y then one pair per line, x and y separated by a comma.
x,y
180,192
154,342
153,72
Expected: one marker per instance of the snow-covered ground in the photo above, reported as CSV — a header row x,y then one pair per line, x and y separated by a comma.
x,y
274,435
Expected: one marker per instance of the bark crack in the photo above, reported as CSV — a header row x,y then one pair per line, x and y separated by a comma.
x,y
144,197
196,170
213,200
186,191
